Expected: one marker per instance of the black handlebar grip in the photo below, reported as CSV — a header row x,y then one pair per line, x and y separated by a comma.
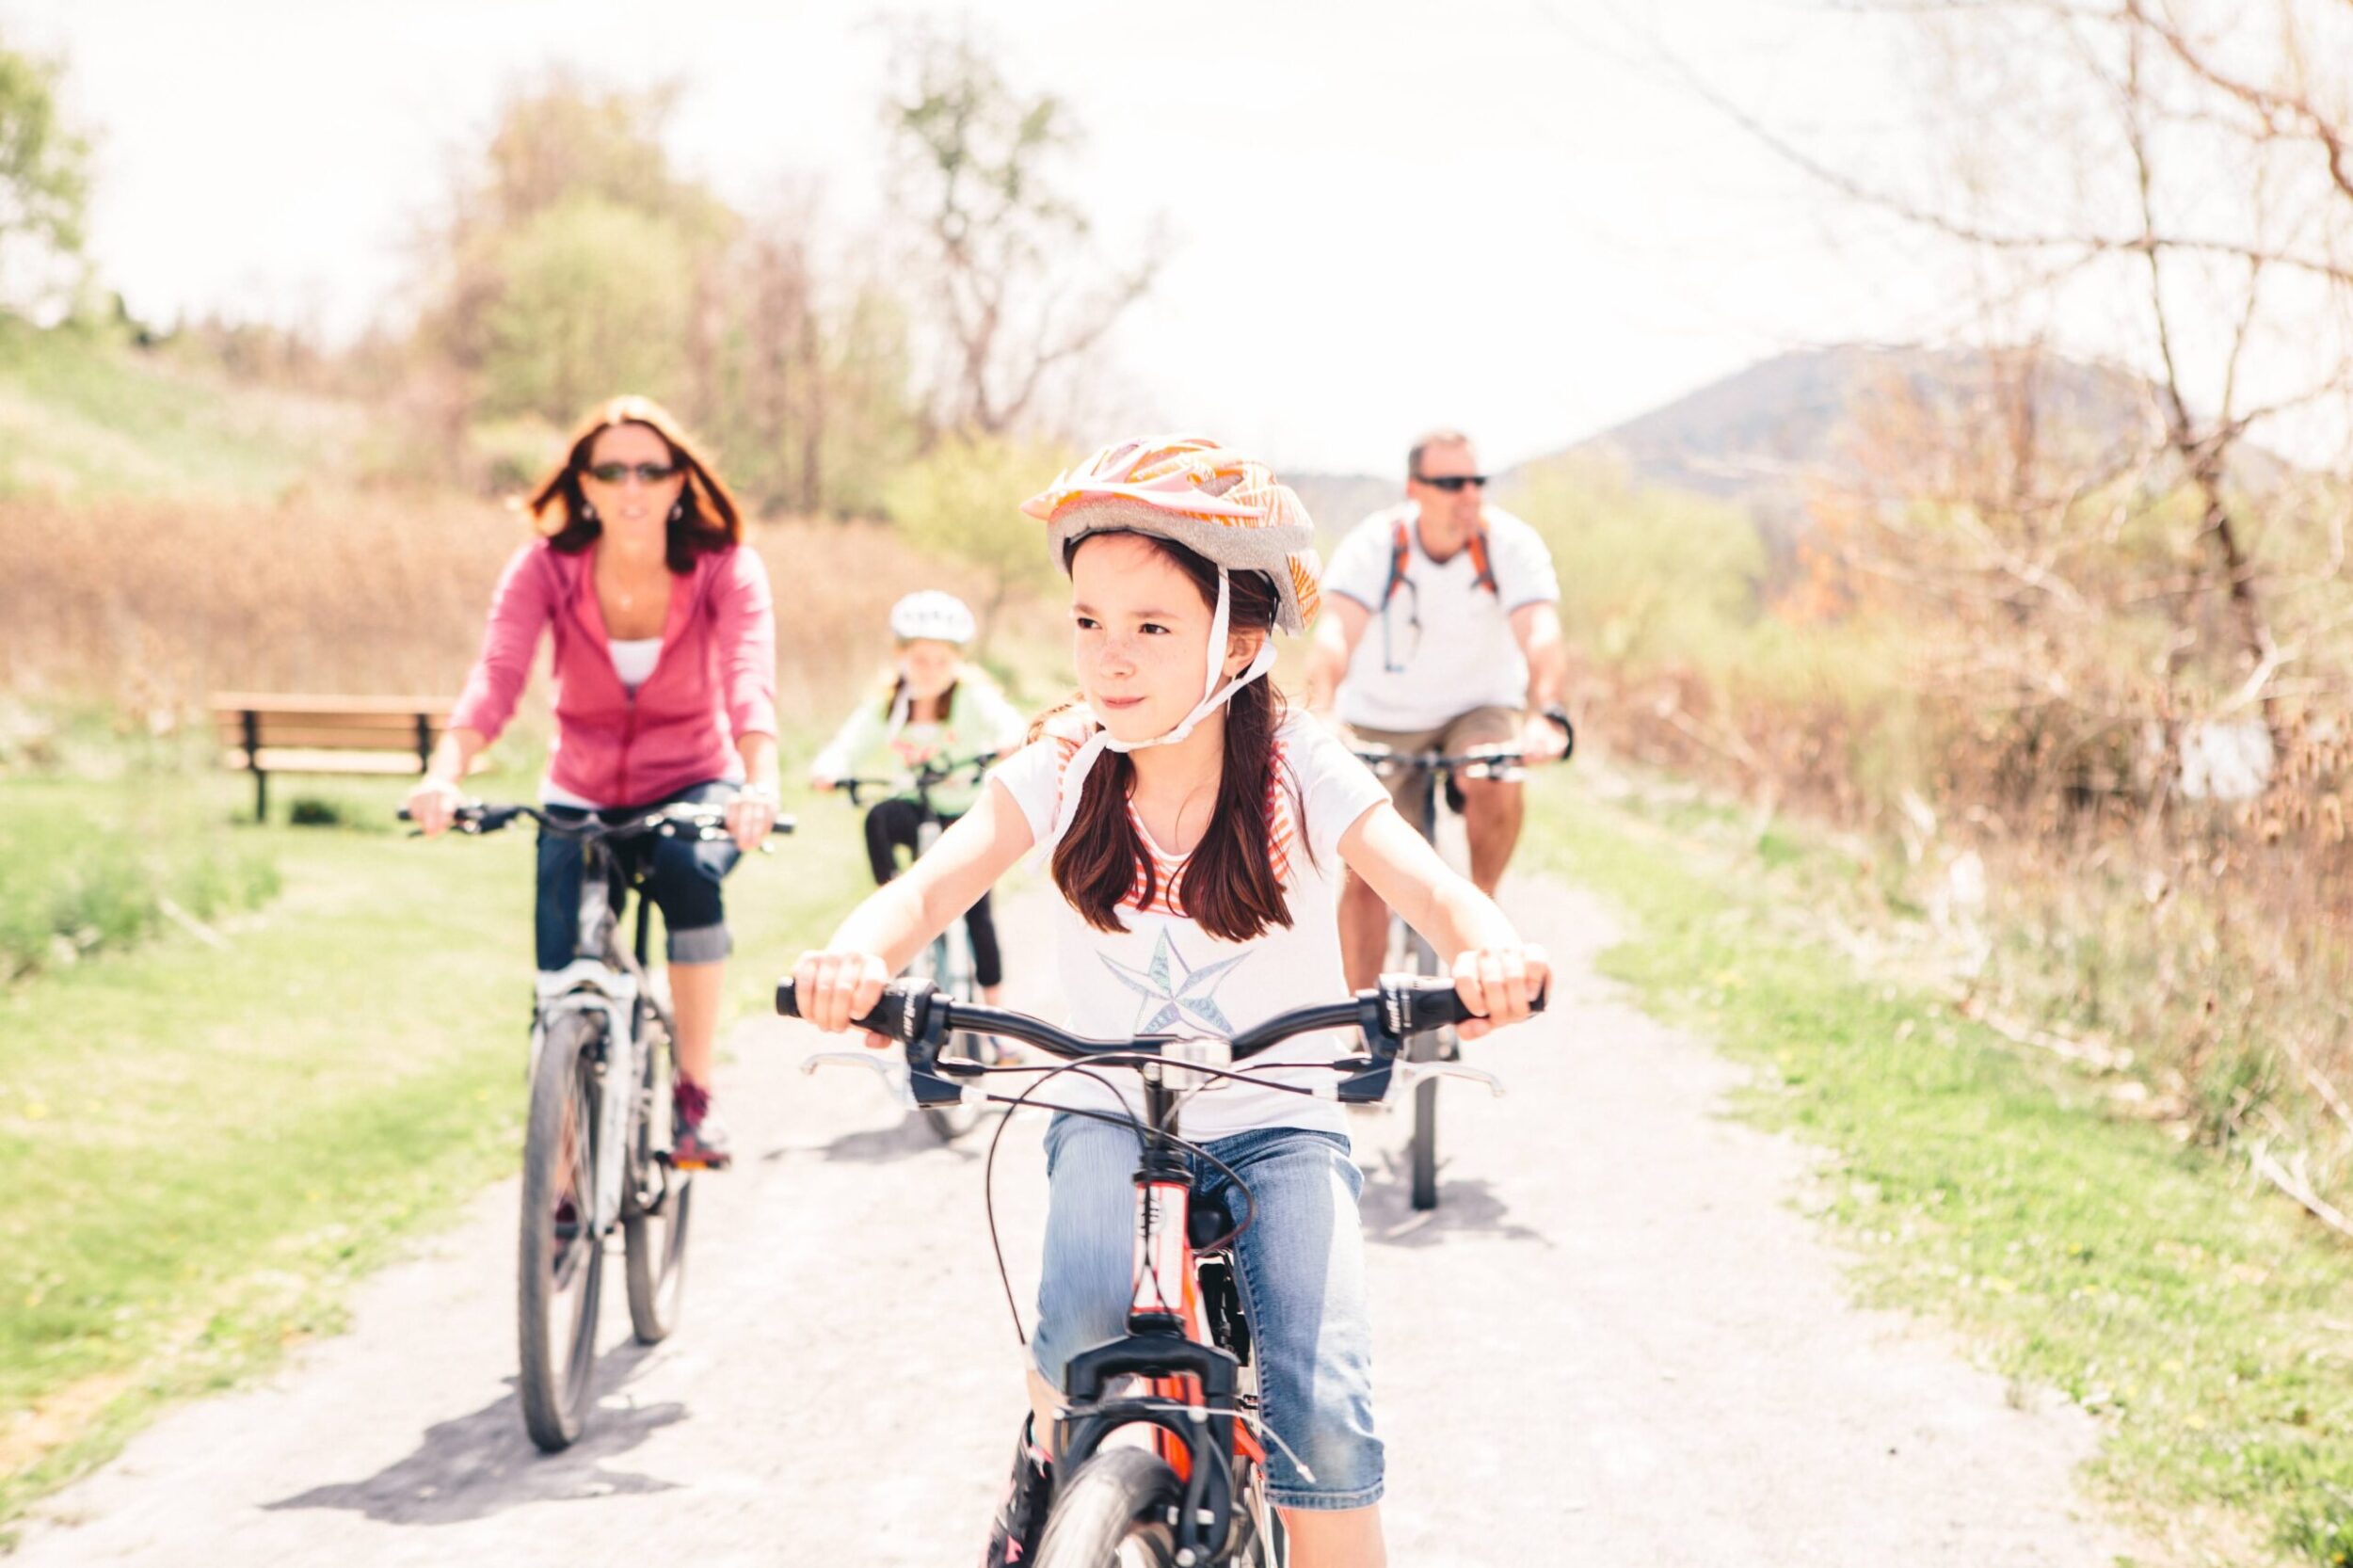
x,y
889,1015
1424,1002
1559,716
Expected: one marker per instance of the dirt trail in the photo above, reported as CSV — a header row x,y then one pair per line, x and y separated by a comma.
x,y
1616,1342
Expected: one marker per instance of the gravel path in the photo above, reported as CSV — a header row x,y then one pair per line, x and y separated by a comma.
x,y
1616,1342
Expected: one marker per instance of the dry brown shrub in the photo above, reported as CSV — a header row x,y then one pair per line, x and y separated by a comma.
x,y
153,604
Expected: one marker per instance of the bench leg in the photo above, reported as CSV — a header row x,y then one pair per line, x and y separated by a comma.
x,y
261,796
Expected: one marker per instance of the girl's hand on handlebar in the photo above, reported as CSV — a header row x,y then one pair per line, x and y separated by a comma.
x,y
838,985
823,783
1498,984
432,804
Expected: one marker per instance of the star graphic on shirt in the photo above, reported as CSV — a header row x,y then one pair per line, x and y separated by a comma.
x,y
1172,990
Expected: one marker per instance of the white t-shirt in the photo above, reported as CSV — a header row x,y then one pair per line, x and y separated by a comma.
x,y
1166,975
1443,646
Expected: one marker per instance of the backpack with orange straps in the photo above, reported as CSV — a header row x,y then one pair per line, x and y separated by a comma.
x,y
1401,556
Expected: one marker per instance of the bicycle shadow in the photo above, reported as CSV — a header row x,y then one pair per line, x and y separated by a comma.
x,y
1467,1207
484,1463
904,1138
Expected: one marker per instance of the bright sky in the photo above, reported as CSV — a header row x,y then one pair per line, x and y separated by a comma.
x,y
1498,214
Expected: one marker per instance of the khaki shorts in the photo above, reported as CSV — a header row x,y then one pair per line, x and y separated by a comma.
x,y
1480,727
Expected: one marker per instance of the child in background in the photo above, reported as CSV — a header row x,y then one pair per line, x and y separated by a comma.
x,y
937,707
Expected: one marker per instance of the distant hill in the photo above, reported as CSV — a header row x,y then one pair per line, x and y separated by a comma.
x,y
1756,434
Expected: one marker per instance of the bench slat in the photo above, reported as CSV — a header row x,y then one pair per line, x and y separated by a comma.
x,y
285,702
296,759
322,735
234,718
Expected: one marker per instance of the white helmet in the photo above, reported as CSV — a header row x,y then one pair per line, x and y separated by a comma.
x,y
931,615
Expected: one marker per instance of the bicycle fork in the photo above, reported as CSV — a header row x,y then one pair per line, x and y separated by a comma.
x,y
610,998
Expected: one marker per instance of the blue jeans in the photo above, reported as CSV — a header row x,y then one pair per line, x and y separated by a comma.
x,y
1301,1266
682,878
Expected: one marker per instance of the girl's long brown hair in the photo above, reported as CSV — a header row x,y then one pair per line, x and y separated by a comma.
x,y
707,518
1229,885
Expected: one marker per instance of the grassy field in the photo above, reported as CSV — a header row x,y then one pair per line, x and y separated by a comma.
x,y
205,1145
86,871
82,416
2208,1324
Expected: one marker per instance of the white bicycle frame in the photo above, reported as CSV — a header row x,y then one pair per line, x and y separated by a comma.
x,y
598,990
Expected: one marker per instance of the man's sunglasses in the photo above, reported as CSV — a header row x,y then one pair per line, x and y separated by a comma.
x,y
1453,483
647,474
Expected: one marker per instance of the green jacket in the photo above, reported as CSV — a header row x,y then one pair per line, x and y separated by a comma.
x,y
876,741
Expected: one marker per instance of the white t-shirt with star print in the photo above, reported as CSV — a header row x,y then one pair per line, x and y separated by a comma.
x,y
1165,975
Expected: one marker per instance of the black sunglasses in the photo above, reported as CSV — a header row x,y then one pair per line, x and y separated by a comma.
x,y
1453,483
647,474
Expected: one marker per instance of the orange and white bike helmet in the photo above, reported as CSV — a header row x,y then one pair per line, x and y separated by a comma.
x,y
1226,508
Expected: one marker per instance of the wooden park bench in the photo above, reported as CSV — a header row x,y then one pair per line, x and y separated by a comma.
x,y
263,733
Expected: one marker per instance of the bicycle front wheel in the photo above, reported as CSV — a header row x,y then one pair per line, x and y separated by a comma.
x,y
654,1221
560,1263
1423,1151
1114,1510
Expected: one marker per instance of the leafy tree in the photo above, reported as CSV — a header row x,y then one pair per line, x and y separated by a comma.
x,y
45,182
802,378
570,262
1021,293
592,300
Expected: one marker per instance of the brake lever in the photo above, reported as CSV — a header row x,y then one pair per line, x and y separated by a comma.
x,y
1403,1073
897,1081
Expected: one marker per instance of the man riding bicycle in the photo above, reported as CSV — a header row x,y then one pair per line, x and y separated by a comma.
x,y
1464,650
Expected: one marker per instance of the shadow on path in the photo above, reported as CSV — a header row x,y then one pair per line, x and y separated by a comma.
x,y
485,1463
1467,1207
909,1136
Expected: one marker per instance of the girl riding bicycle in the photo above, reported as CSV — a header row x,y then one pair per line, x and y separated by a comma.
x,y
938,709
665,667
1196,834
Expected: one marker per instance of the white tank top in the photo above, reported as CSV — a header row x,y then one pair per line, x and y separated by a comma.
x,y
633,661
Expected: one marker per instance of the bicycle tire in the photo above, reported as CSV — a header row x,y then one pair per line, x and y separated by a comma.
x,y
653,1236
1423,1149
558,1343
1114,1510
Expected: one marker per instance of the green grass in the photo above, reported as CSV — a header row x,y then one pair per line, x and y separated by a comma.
x,y
87,868
82,415
2209,1326
203,1148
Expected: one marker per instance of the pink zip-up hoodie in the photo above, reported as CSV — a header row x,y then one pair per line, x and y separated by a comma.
x,y
716,680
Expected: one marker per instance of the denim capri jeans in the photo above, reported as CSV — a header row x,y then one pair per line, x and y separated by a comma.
x,y
683,876
1301,1267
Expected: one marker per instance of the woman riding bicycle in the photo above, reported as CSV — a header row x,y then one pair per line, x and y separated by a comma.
x,y
938,709
664,670
1197,833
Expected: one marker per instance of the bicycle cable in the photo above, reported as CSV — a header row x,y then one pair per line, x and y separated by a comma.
x,y
1125,1118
